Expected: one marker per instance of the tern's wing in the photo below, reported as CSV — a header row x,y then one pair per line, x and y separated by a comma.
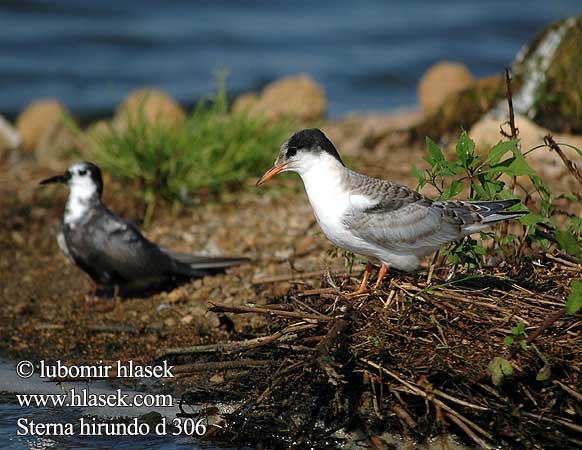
x,y
403,221
137,258
120,248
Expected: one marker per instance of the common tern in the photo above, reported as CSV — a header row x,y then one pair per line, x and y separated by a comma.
x,y
384,221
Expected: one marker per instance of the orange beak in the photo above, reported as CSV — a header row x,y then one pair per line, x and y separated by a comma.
x,y
271,173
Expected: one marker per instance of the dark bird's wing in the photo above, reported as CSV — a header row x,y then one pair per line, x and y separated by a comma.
x,y
113,251
117,250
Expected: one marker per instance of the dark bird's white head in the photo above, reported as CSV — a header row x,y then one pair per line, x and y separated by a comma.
x,y
85,185
306,150
84,180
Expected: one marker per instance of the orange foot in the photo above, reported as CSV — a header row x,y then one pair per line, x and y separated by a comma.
x,y
364,284
381,274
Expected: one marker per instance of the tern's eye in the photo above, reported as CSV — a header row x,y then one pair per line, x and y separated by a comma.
x,y
82,172
291,151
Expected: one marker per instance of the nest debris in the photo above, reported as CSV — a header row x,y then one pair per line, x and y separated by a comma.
x,y
413,359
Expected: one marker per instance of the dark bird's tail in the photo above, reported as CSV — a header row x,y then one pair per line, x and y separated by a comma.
x,y
199,266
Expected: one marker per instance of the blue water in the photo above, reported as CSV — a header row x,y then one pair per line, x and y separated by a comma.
x,y
11,412
368,55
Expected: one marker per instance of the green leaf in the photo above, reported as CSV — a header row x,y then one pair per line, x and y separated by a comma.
x,y
499,150
508,341
465,149
568,242
574,302
544,374
479,250
498,368
453,190
519,167
519,329
530,219
515,167
434,150
420,176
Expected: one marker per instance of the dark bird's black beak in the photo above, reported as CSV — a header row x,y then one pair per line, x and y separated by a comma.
x,y
58,178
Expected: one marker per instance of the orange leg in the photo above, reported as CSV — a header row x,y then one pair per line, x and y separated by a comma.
x,y
381,274
364,284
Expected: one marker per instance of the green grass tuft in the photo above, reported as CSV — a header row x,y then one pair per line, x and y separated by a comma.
x,y
213,151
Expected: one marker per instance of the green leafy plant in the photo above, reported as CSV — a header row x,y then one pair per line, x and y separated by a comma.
x,y
574,303
517,332
499,368
482,177
214,150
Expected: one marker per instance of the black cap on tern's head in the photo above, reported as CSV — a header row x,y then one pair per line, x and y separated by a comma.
x,y
84,176
311,141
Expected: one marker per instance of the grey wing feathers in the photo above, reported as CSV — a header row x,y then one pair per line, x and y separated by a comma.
x,y
151,260
405,222
416,228
129,253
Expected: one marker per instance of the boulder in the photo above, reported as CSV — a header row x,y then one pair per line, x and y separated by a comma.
x,y
155,106
9,137
299,97
56,143
547,163
36,120
440,81
462,109
546,86
550,73
244,102
486,133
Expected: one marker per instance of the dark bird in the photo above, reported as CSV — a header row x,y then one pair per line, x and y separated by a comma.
x,y
111,250
387,222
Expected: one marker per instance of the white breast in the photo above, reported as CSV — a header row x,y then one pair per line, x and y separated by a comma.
x,y
330,201
77,207
63,245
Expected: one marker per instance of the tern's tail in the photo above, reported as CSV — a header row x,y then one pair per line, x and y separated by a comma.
x,y
196,265
478,216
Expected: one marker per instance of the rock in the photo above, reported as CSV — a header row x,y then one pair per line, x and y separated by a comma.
x,y
56,142
549,71
486,133
217,378
547,163
298,96
38,119
462,109
440,81
157,108
358,132
9,137
244,102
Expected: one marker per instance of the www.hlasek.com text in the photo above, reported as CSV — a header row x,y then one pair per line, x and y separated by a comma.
x,y
84,398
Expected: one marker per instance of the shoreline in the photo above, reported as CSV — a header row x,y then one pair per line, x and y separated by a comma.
x,y
47,304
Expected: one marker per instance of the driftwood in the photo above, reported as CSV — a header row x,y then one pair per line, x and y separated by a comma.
x,y
214,307
288,334
296,276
